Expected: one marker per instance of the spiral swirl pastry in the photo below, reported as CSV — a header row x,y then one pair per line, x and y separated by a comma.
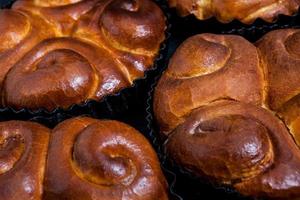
x,y
71,72
103,160
130,30
20,32
60,53
244,11
281,66
217,63
23,149
239,144
230,111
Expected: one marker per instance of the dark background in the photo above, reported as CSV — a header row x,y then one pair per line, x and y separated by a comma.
x,y
138,112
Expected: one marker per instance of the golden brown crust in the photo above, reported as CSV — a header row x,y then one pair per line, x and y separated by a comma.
x,y
220,65
23,149
216,129
95,47
240,144
281,64
84,71
131,31
20,32
283,74
86,159
102,159
245,11
62,15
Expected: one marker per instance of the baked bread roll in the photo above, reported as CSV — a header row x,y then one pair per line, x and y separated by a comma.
x,y
244,11
84,158
239,144
282,71
207,68
20,32
67,52
230,111
23,150
126,29
70,71
102,160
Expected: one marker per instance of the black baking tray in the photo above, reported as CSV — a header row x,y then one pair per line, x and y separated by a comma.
x,y
187,186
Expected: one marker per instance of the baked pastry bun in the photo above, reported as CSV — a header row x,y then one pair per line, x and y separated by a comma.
x,y
282,71
102,160
23,151
81,158
70,71
230,111
244,11
60,53
20,32
206,68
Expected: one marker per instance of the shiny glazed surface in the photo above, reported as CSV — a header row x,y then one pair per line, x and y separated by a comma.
x,y
78,50
23,151
230,111
81,158
246,11
102,160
